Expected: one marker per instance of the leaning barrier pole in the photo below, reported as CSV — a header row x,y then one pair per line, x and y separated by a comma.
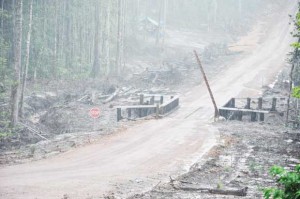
x,y
217,114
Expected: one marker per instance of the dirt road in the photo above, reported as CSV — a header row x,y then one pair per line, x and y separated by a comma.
x,y
152,150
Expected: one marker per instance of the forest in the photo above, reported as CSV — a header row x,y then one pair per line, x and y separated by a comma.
x,y
96,39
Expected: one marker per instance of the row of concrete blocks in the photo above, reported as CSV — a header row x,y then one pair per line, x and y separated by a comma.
x,y
229,110
149,108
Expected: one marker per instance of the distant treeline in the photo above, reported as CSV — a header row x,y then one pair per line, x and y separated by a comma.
x,y
75,38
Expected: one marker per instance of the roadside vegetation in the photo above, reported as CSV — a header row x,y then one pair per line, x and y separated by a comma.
x,y
288,182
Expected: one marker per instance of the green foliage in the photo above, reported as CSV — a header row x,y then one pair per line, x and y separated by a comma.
x,y
220,184
296,92
5,134
296,69
288,184
4,47
296,45
297,29
4,14
298,20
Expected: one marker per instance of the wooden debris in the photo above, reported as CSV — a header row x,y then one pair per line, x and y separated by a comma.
x,y
186,186
155,78
103,97
112,96
82,98
35,132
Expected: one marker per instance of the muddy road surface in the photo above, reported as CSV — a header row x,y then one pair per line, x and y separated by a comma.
x,y
136,159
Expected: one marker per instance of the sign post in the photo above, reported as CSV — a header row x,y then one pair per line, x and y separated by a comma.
x,y
94,113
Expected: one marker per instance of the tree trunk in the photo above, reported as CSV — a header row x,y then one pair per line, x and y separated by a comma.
x,y
163,31
119,38
54,65
96,64
107,39
240,9
215,11
159,21
208,16
2,51
164,22
2,18
17,63
295,57
68,35
138,10
25,69
124,7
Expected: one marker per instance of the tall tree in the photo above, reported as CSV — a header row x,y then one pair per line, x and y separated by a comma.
x,y
96,64
240,9
124,13
120,37
3,46
16,62
295,59
107,39
25,68
56,4
215,3
159,22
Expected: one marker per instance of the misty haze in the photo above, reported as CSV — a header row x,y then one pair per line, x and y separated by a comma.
x,y
149,99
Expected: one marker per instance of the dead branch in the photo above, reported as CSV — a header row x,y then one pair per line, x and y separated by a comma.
x,y
155,78
126,90
194,187
112,96
103,97
156,185
35,132
82,98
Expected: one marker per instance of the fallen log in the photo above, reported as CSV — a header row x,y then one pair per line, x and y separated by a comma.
x,y
35,132
82,98
155,78
112,96
162,81
197,188
103,97
126,90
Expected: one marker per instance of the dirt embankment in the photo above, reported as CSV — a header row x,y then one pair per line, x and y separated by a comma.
x,y
242,159
58,120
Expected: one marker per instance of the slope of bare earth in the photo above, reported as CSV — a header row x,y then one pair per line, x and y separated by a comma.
x,y
152,150
242,159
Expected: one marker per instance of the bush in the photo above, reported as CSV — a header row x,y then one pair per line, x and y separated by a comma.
x,y
296,92
288,184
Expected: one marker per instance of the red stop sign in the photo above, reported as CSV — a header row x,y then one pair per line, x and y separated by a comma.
x,y
94,112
